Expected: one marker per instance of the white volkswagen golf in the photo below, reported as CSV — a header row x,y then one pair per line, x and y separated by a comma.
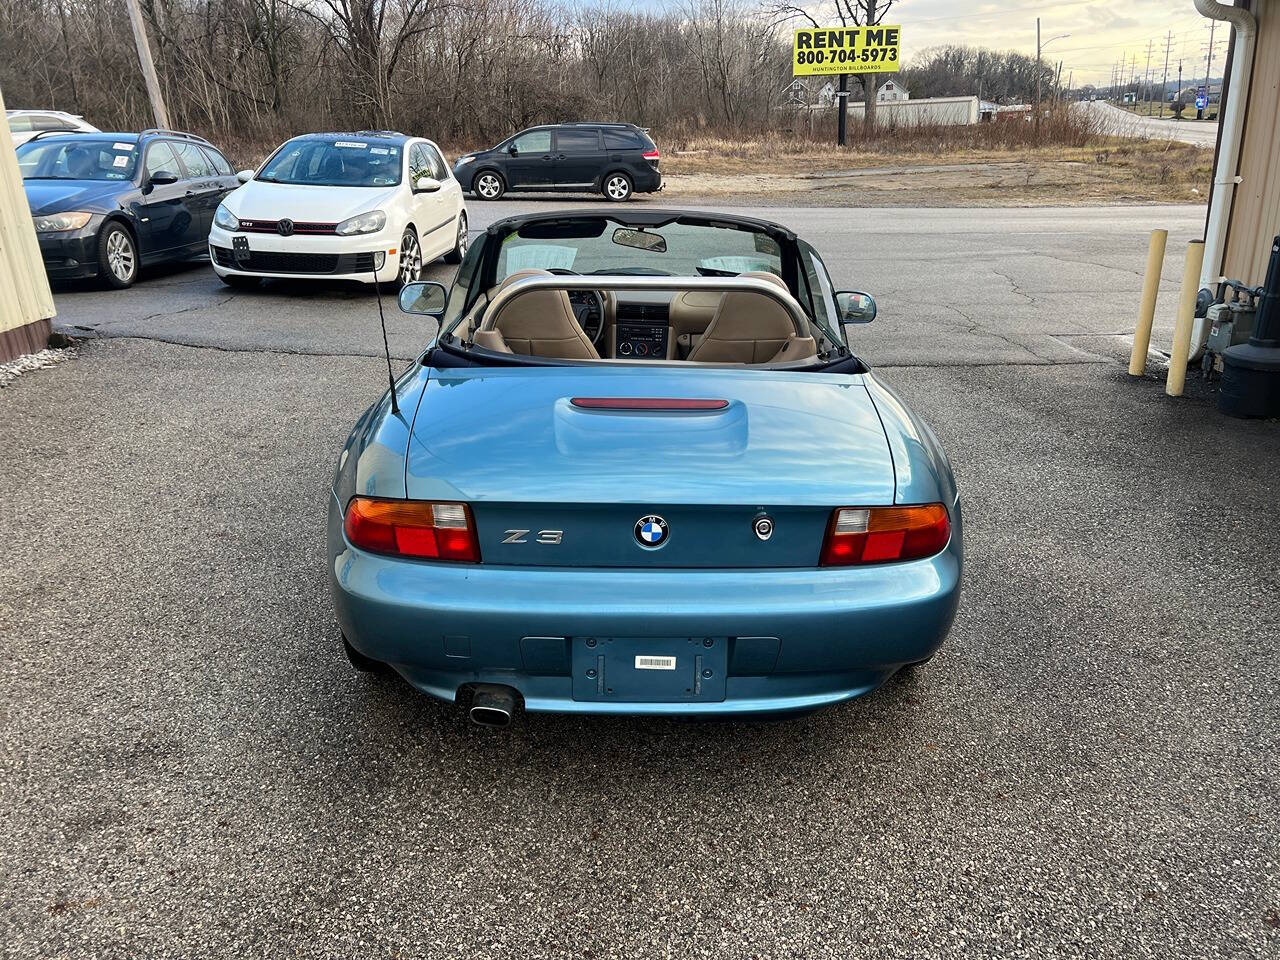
x,y
343,206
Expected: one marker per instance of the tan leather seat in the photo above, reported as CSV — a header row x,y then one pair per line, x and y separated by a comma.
x,y
536,324
751,328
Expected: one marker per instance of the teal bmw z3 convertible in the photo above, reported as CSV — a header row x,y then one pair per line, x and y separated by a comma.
x,y
640,470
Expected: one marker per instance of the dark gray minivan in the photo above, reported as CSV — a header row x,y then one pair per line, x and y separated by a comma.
x,y
615,159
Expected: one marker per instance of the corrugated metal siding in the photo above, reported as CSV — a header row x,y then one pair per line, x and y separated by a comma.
x,y
1255,216
25,297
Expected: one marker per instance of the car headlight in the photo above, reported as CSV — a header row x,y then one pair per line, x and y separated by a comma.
x,y
370,222
464,160
55,222
223,218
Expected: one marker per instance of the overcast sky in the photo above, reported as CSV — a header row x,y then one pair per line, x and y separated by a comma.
x,y
1101,33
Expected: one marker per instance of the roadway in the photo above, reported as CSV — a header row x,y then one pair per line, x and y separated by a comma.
x,y
1088,768
1123,123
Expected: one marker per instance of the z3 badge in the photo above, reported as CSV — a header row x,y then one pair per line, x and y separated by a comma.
x,y
549,537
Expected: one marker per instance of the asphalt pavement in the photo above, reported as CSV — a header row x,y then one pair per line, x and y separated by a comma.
x,y
189,768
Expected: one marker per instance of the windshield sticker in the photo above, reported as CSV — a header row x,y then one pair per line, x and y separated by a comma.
x,y
540,256
350,144
128,147
120,161
380,151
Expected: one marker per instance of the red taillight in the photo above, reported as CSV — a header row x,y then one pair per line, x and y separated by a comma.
x,y
858,535
413,528
653,155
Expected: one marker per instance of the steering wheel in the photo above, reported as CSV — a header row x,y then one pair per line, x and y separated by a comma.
x,y
585,303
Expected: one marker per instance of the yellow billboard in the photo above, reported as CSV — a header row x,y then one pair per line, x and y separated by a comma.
x,y
824,50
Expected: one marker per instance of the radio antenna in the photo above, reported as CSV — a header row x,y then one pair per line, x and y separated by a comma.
x,y
395,407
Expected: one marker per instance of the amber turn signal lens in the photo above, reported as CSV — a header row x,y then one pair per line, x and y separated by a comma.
x,y
862,535
413,528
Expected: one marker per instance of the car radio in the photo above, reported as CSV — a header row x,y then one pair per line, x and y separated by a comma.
x,y
642,341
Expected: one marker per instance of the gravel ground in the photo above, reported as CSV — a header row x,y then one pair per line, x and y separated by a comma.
x,y
191,769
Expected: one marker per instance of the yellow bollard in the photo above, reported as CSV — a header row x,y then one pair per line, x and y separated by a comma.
x,y
1147,311
1186,314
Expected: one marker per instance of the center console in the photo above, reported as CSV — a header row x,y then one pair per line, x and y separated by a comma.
x,y
642,341
641,331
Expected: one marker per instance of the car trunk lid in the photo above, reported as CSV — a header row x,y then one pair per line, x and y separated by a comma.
x,y
557,472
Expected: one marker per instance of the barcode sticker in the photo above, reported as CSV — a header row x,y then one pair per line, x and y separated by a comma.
x,y
655,663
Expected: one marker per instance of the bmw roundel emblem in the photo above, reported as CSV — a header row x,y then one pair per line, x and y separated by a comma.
x,y
651,531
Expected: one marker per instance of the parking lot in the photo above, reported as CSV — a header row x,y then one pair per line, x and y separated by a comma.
x,y
1088,767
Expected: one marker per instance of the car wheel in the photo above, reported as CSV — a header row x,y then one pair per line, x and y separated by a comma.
x,y
460,246
117,256
240,282
410,256
489,185
360,661
617,187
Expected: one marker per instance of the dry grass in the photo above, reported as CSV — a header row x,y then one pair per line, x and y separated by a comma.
x,y
1111,170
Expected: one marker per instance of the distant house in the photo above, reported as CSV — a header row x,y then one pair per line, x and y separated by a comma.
x,y
827,95
892,92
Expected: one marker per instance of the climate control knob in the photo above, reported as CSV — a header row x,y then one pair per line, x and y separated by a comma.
x,y
624,348
641,349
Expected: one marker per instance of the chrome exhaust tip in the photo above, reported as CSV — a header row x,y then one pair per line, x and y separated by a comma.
x,y
492,705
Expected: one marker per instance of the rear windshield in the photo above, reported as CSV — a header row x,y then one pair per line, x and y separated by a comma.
x,y
685,250
78,158
339,162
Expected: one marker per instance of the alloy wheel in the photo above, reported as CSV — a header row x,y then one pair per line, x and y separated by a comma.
x,y
410,257
617,187
121,259
463,239
488,186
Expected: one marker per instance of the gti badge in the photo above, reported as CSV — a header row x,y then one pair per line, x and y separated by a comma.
x,y
651,531
285,227
763,527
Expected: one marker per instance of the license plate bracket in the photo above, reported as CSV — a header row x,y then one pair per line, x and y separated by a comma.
x,y
650,669
240,249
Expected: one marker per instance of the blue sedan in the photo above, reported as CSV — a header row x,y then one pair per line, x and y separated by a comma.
x,y
640,470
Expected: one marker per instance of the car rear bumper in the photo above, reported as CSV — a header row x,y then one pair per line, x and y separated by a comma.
x,y
797,639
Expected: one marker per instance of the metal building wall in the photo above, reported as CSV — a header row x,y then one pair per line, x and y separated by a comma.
x,y
26,303
1255,214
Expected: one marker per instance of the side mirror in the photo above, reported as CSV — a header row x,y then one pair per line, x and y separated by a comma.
x,y
513,150
426,185
244,176
855,306
162,177
424,297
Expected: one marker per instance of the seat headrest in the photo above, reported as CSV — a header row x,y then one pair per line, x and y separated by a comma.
x,y
523,274
766,275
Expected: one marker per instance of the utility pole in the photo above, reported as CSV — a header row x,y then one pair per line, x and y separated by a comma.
x,y
1146,76
1208,65
148,66
1164,83
1037,77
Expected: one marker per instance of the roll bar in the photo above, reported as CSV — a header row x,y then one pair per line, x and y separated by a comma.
x,y
674,284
